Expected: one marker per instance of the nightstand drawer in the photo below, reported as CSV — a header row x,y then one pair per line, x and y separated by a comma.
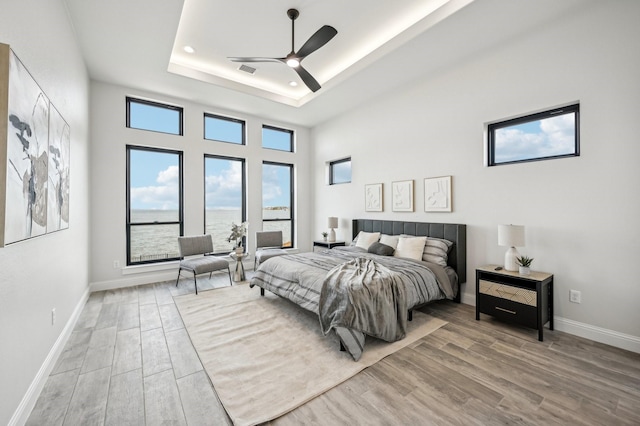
x,y
508,292
508,310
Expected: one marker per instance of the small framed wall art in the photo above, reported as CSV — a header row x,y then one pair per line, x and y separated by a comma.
x,y
437,194
373,197
402,196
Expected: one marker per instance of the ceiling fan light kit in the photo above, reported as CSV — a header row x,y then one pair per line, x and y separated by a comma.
x,y
294,59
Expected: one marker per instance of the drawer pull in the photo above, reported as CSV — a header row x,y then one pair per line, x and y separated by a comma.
x,y
505,310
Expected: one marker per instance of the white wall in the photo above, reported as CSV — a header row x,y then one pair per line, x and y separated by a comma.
x,y
50,271
581,214
108,178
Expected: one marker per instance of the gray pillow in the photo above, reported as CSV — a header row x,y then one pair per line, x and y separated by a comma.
x,y
381,249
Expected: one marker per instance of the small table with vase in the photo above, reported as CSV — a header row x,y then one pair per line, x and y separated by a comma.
x,y
238,273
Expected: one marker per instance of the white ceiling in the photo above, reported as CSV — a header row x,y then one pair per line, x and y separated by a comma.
x,y
380,46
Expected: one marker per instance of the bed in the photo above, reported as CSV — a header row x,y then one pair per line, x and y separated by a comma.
x,y
357,292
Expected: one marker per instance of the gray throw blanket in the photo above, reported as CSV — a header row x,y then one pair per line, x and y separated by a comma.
x,y
366,296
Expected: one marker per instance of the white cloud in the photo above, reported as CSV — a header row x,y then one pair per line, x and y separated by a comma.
x,y
224,190
161,197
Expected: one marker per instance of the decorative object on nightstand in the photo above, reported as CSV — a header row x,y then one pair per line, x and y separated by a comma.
x,y
332,224
238,232
524,263
324,236
522,299
511,236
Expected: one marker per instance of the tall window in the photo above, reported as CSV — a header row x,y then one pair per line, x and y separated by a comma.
x,y
224,129
224,198
340,171
545,135
154,116
154,204
277,200
275,138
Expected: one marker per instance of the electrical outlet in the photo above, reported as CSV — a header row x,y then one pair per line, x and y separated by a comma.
x,y
116,264
575,296
53,316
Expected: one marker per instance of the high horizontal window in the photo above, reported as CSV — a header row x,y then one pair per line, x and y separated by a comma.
x,y
224,198
340,171
277,200
154,116
275,138
224,129
549,134
154,204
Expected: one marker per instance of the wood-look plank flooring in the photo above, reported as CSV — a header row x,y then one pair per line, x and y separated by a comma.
x,y
129,361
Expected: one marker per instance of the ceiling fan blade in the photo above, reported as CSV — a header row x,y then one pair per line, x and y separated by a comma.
x,y
307,78
250,59
317,40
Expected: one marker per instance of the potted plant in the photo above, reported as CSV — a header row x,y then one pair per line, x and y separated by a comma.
x,y
238,232
324,236
525,265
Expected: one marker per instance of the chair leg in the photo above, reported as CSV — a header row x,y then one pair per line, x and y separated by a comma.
x,y
229,271
178,279
195,281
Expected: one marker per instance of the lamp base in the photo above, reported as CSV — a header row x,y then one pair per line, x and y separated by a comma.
x,y
332,236
510,259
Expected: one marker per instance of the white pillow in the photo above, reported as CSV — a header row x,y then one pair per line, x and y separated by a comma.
x,y
411,248
436,251
390,240
365,239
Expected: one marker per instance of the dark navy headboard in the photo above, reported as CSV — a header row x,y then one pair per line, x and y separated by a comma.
x,y
456,233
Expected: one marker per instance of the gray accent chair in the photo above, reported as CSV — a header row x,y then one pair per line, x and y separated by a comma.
x,y
200,245
268,245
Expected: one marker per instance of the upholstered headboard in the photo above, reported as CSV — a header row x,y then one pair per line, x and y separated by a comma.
x,y
456,233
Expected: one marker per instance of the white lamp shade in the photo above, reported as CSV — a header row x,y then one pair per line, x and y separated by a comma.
x,y
511,235
333,222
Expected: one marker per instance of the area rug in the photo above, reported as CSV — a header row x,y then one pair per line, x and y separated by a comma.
x,y
266,356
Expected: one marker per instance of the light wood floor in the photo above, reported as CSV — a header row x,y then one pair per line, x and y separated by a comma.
x,y
129,361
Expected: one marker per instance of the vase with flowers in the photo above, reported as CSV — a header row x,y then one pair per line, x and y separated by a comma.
x,y
238,232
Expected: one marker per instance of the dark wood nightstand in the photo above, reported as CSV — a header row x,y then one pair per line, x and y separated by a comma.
x,y
327,244
509,296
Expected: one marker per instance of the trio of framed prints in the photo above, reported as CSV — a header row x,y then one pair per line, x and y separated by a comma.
x,y
437,195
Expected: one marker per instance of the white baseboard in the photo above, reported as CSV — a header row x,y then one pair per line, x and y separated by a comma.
x,y
21,415
132,281
598,334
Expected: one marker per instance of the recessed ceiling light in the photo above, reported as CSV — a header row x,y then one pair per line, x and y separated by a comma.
x,y
293,83
189,49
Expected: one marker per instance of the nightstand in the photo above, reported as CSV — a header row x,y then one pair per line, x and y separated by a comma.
x,y
522,299
328,244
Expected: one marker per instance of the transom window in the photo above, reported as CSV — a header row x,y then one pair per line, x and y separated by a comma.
x,y
541,136
224,129
154,116
224,198
154,204
340,171
275,138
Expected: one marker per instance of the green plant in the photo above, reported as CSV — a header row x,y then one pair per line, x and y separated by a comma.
x,y
524,261
324,234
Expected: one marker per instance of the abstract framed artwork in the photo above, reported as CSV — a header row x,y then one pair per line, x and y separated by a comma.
x,y
437,194
402,196
34,156
373,197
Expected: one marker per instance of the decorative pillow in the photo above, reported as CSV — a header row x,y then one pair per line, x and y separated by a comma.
x,y
365,239
436,251
381,249
390,240
411,248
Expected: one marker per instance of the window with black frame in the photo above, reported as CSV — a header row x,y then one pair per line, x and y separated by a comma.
x,y
154,204
224,198
154,116
545,135
278,200
276,138
224,129
340,171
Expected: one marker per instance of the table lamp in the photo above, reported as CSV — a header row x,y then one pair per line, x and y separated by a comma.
x,y
333,223
511,236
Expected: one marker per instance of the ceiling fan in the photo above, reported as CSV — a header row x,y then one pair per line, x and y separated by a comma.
x,y
293,59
